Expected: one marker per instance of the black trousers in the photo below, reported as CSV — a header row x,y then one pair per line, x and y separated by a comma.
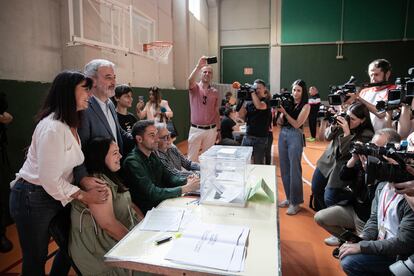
x,y
313,120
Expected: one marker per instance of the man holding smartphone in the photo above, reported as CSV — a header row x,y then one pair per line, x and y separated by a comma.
x,y
204,105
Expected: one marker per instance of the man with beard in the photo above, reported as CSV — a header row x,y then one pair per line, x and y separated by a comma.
x,y
100,119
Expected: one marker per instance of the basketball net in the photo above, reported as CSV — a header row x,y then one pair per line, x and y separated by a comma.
x,y
159,50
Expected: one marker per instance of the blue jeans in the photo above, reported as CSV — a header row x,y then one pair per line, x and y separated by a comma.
x,y
364,264
32,208
259,147
319,182
290,156
323,196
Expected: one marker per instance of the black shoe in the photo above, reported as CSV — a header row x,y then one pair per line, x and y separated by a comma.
x,y
5,244
335,253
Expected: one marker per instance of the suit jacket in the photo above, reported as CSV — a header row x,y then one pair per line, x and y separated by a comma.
x,y
94,124
337,154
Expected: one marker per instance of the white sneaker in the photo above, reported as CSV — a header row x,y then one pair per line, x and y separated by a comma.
x,y
332,241
284,204
293,209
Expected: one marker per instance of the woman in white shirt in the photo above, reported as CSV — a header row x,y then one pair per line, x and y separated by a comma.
x,y
43,185
155,109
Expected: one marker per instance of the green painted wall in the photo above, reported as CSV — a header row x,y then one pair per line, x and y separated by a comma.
x,y
235,59
318,66
25,99
306,21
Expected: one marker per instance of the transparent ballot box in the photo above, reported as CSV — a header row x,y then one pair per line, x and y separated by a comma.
x,y
223,171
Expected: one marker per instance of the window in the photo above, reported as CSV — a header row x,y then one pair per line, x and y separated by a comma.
x,y
194,7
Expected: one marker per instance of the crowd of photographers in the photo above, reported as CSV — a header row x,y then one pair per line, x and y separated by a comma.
x,y
362,190
363,184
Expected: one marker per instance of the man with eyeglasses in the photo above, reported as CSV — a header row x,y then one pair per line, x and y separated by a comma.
x,y
171,157
149,181
204,105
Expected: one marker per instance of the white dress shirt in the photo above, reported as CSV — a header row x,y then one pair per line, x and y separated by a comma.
x,y
52,155
109,116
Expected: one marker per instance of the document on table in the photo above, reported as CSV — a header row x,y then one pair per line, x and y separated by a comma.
x,y
163,219
211,245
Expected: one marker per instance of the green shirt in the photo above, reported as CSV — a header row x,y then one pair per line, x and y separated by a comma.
x,y
149,181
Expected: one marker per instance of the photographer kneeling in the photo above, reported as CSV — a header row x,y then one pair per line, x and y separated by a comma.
x,y
327,187
388,234
353,214
257,115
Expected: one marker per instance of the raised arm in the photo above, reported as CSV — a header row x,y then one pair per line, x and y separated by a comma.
x,y
196,71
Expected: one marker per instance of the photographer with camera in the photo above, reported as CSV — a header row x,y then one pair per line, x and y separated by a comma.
x,y
388,234
327,187
379,72
291,143
353,214
257,115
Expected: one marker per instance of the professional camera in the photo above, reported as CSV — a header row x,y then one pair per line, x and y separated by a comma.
x,y
284,100
244,91
379,169
338,94
325,113
403,94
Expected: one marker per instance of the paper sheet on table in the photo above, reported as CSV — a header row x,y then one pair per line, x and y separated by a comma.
x,y
163,219
211,245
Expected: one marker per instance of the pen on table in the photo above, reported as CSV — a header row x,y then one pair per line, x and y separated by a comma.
x,y
163,240
193,202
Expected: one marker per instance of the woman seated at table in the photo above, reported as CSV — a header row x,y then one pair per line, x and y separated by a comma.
x,y
228,125
96,228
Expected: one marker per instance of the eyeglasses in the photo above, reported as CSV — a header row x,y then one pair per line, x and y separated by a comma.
x,y
165,137
204,99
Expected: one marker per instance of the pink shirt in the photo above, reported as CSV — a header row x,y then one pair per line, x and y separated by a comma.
x,y
208,113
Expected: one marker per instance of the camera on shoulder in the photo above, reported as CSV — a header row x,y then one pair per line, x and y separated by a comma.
x,y
338,93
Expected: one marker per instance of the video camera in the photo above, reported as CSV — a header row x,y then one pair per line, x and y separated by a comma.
x,y
325,114
403,94
284,100
244,91
379,169
338,94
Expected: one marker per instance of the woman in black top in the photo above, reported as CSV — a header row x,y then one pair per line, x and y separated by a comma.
x,y
291,146
228,124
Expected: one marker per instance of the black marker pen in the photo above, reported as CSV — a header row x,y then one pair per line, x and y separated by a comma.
x,y
163,240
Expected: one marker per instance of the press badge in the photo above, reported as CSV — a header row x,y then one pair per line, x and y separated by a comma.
x,y
382,232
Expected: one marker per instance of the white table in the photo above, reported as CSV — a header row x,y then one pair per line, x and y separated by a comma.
x,y
136,251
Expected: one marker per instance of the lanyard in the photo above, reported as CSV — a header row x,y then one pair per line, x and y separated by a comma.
x,y
385,208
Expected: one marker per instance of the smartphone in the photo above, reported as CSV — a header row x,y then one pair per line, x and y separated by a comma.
x,y
141,98
350,237
211,60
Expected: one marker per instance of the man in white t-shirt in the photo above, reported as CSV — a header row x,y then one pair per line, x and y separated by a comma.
x,y
379,71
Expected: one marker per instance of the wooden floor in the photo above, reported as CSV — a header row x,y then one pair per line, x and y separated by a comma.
x,y
302,248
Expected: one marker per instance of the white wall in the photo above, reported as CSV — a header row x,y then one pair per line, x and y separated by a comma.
x,y
34,36
244,22
30,47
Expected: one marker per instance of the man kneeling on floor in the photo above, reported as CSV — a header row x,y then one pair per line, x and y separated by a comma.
x,y
148,179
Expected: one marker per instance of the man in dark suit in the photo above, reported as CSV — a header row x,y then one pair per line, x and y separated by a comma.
x,y
100,119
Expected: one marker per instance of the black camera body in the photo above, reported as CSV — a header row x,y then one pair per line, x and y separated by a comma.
x,y
379,169
245,91
338,94
284,100
403,94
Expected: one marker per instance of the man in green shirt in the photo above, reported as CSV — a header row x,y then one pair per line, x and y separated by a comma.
x,y
147,178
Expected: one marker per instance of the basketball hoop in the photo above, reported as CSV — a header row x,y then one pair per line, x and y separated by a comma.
x,y
159,50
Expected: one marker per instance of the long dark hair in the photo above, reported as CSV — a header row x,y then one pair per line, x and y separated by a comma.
x,y
305,96
95,154
156,93
361,112
61,98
